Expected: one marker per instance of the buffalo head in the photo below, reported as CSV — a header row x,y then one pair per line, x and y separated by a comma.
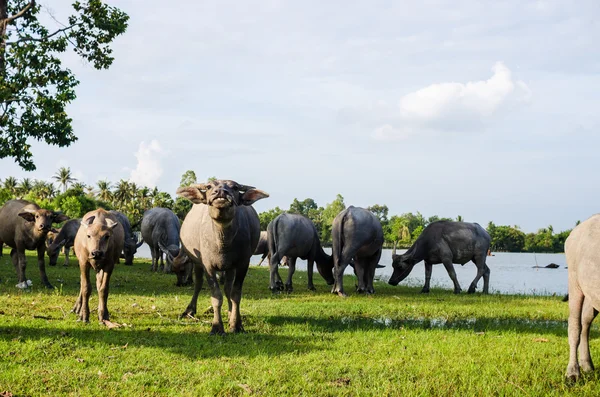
x,y
40,220
97,239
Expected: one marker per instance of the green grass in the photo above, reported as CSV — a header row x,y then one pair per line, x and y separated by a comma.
x,y
397,342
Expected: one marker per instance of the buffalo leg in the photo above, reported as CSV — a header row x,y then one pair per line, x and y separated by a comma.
x,y
42,265
161,268
481,271
190,311
217,303
370,273
588,315
428,269
291,269
310,264
452,273
21,264
359,270
67,249
339,268
235,318
82,308
275,280
575,307
102,285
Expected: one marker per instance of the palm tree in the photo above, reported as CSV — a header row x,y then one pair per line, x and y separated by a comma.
x,y
25,187
10,183
104,193
122,192
64,177
79,186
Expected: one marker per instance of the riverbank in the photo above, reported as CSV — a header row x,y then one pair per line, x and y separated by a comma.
x,y
397,342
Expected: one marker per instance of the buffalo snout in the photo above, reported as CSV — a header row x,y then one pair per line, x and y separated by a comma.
x,y
97,254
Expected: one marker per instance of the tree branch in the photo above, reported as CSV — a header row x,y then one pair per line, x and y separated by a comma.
x,y
20,13
24,39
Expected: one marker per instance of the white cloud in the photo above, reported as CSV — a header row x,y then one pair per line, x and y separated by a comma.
x,y
455,107
149,168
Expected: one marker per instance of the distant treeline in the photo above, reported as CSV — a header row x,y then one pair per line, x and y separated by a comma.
x,y
78,198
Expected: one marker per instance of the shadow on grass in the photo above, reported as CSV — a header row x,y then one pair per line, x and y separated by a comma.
x,y
480,324
194,344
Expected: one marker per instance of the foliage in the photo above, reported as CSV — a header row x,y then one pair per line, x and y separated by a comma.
x,y
35,89
188,178
266,217
506,238
330,211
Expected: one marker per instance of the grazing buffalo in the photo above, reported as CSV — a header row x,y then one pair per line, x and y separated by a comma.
x,y
98,246
183,267
130,245
295,236
220,233
357,238
446,242
160,230
582,250
25,226
64,237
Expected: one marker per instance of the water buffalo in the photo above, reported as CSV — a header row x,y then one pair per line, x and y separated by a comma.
x,y
25,226
582,251
98,245
446,242
160,230
130,245
220,233
64,237
295,236
183,268
357,237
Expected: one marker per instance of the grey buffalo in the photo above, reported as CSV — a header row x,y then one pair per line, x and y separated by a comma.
x,y
98,246
357,239
130,243
446,242
160,230
295,236
582,251
64,237
25,226
220,233
263,246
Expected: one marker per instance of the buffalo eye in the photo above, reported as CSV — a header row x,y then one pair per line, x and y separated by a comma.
x,y
89,236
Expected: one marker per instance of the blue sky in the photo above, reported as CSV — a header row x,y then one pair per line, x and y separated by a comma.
x,y
479,108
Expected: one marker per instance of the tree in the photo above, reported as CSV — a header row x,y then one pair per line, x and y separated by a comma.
x,y
188,178
459,218
302,207
330,211
24,187
63,176
11,183
35,88
104,192
266,217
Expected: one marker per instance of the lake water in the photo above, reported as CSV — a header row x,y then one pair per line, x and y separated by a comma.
x,y
510,273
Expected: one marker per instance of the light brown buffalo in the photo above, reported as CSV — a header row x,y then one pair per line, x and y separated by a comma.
x,y
582,250
98,246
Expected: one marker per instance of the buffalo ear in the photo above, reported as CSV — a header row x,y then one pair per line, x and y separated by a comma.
x,y
111,224
253,195
59,217
28,216
195,193
87,222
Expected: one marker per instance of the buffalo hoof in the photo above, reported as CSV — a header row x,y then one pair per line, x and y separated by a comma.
x,y
237,329
425,290
48,286
312,288
51,264
66,265
370,291
217,329
289,288
572,374
471,290
189,312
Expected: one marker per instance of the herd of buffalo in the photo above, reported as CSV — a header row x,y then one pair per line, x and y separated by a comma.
x,y
222,231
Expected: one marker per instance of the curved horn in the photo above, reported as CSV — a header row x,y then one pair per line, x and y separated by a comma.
x,y
138,245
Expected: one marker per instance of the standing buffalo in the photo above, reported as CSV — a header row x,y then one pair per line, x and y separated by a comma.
x,y
357,237
446,242
130,245
220,233
25,226
160,230
64,237
98,245
582,250
295,236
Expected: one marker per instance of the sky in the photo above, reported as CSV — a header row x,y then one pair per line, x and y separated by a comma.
x,y
483,109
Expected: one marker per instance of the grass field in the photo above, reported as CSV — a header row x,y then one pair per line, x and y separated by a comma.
x,y
397,342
